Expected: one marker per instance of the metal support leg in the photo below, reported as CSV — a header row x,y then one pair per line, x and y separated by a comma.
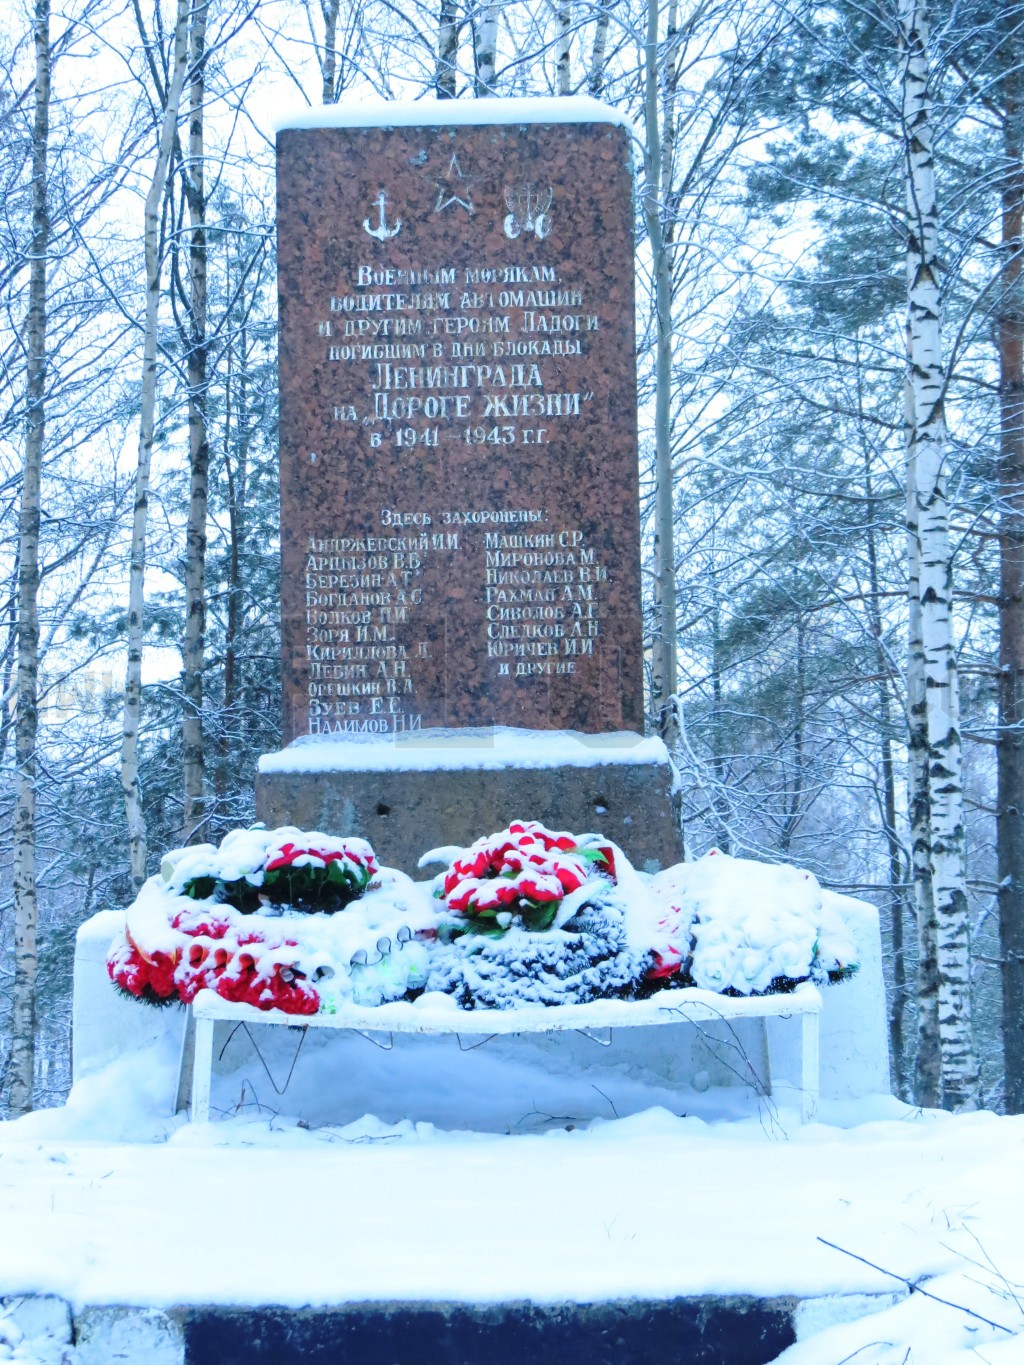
x,y
202,1071
187,1063
809,1067
769,1073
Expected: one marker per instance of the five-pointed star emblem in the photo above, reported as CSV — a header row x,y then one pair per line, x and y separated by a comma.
x,y
454,188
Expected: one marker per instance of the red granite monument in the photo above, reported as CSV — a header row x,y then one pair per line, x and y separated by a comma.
x,y
460,534
459,503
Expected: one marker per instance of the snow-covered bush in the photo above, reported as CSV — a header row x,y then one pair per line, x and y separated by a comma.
x,y
732,924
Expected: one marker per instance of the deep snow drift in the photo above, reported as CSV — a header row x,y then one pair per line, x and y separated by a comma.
x,y
108,1200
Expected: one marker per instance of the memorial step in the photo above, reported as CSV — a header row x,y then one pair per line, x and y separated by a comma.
x,y
704,1331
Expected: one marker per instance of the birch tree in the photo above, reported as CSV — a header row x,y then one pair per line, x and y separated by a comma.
x,y
563,48
328,56
334,51
927,1077
196,362
446,64
926,442
599,52
657,176
26,958
152,243
485,44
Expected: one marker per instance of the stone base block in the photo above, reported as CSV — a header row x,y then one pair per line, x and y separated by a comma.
x,y
433,788
132,1336
720,1330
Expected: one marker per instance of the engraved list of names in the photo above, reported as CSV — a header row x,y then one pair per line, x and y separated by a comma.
x,y
459,504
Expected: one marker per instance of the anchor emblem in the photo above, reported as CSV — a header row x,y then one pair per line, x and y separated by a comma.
x,y
382,231
527,211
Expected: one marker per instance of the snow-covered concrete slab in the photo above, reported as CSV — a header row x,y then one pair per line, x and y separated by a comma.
x,y
436,1013
501,747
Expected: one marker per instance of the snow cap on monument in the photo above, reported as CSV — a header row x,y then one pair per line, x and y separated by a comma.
x,y
459,488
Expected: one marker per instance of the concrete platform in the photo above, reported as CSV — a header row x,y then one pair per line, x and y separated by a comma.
x,y
722,1331
709,1330
431,788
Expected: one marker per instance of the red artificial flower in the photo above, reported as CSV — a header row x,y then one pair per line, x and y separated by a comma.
x,y
527,868
143,975
669,960
664,964
291,853
199,923
249,987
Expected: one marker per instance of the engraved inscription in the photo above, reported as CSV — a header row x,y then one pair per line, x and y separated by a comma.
x,y
457,350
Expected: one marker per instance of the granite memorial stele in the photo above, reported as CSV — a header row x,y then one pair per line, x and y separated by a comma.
x,y
460,538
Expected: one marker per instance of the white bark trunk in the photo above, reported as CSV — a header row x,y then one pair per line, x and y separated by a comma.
x,y
486,49
26,957
927,1083
194,766
147,415
562,47
927,451
664,669
329,64
595,81
445,69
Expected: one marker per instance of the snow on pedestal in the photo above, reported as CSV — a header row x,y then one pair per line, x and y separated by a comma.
x,y
378,113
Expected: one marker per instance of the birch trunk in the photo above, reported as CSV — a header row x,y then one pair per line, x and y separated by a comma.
x,y
595,81
927,440
898,1004
657,170
794,793
147,417
563,18
198,440
486,49
1010,744
236,471
719,766
927,1089
447,50
26,958
329,9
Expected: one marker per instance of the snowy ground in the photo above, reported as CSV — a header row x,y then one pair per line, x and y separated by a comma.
x,y
110,1201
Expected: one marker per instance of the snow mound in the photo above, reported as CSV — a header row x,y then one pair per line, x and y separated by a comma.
x,y
732,924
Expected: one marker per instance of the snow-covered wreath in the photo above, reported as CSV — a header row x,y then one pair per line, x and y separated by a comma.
x,y
306,923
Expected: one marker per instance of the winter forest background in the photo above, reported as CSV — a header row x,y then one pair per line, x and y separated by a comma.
x,y
787,153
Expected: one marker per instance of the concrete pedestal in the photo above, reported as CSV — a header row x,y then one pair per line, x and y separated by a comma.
x,y
432,788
